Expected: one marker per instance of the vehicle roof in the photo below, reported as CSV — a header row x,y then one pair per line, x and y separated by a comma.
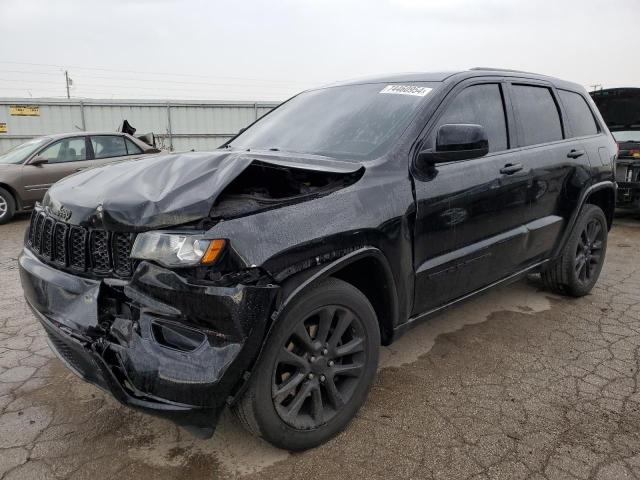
x,y
55,136
460,75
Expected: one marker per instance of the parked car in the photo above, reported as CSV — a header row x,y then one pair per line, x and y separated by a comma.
x,y
28,170
620,108
264,276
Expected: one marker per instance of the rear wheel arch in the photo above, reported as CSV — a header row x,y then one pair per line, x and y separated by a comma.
x,y
601,194
605,198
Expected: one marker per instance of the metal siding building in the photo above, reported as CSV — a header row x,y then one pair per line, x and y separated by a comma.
x,y
178,125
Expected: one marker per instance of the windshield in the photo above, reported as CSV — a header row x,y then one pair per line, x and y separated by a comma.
x,y
627,136
19,153
351,122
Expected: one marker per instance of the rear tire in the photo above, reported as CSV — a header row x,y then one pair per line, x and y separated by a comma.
x,y
7,206
316,369
577,269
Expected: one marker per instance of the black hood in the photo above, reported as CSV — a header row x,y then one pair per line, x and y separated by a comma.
x,y
165,190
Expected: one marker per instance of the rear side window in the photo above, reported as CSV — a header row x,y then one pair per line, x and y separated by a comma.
x,y
579,113
538,118
132,148
105,146
482,105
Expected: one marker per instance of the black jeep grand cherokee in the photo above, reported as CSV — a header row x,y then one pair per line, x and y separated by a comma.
x,y
265,276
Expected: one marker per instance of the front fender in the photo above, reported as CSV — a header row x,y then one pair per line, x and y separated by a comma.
x,y
296,284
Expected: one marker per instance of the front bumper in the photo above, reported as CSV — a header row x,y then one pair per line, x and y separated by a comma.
x,y
156,342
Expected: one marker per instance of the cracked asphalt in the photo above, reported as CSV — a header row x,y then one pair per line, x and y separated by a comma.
x,y
517,383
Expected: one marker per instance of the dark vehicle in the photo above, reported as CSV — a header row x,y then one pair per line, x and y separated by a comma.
x,y
620,108
266,275
28,170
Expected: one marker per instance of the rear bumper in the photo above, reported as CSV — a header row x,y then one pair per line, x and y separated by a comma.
x,y
157,342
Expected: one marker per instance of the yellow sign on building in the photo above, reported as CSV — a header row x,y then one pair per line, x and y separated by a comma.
x,y
3,127
24,110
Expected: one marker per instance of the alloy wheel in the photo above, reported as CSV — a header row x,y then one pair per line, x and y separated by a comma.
x,y
319,367
4,206
589,251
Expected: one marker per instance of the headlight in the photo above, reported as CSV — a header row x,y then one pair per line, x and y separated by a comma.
x,y
176,249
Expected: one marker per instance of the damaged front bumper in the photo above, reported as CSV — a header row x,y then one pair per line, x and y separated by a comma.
x,y
156,342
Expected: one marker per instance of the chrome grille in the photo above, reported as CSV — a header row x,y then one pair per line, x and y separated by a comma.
x,y
80,249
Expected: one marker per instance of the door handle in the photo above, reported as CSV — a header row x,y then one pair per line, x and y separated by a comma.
x,y
575,153
511,168
80,169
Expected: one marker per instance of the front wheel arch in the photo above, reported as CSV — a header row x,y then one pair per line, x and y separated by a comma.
x,y
341,268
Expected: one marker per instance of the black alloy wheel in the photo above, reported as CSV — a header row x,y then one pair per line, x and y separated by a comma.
x,y
319,367
316,368
578,267
589,251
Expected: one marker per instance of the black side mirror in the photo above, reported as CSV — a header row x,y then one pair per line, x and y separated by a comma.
x,y
37,161
455,142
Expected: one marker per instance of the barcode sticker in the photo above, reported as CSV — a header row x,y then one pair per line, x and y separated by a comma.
x,y
406,90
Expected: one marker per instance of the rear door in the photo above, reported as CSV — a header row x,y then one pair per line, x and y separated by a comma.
x,y
64,157
558,164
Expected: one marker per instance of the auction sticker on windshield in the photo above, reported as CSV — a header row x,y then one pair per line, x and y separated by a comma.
x,y
406,90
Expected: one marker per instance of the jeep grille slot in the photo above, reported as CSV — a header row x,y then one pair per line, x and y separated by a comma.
x,y
92,251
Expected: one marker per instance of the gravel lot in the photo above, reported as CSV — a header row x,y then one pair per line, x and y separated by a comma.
x,y
515,384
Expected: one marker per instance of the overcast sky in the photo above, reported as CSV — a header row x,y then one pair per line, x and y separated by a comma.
x,y
269,49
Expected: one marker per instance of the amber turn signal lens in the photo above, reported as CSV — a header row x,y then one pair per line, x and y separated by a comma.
x,y
213,251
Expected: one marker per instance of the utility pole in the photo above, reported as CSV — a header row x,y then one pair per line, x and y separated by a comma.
x,y
66,78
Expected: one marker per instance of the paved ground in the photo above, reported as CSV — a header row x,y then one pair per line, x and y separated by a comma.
x,y
515,384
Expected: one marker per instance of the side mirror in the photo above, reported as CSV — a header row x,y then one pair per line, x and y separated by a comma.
x,y
37,161
455,142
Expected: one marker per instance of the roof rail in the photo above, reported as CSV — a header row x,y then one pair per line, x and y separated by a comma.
x,y
492,69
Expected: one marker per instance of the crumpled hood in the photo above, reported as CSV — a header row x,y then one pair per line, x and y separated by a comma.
x,y
165,190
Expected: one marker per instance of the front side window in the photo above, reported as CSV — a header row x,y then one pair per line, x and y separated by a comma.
x,y
537,115
67,150
579,113
352,122
106,146
480,105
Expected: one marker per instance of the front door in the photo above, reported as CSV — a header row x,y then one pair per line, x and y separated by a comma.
x,y
64,157
469,213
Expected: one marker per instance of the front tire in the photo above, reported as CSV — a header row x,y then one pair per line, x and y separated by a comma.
x,y
316,369
577,269
7,206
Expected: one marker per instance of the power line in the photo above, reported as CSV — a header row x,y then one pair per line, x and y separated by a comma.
x,y
156,81
76,67
90,87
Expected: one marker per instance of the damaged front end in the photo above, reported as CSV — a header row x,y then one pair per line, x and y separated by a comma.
x,y
169,339
157,341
